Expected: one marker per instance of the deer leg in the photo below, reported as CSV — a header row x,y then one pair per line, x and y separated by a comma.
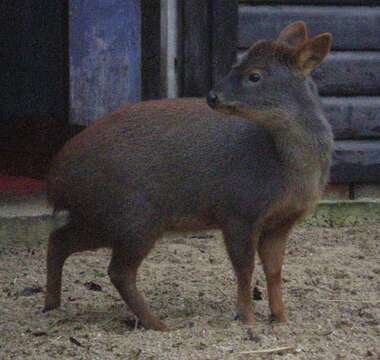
x,y
271,249
63,242
240,244
122,271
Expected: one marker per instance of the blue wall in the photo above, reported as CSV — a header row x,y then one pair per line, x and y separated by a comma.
x,y
105,56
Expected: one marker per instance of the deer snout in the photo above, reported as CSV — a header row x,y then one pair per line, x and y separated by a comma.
x,y
212,99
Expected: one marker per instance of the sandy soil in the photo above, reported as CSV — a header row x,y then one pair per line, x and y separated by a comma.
x,y
332,292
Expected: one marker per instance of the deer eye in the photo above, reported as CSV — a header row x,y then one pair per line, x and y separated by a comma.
x,y
254,77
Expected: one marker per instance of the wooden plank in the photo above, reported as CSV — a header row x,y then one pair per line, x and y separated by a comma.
x,y
352,29
356,162
349,74
224,37
196,52
353,117
104,46
150,49
306,2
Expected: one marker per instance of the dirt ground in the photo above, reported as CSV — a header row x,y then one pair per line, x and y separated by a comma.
x,y
331,289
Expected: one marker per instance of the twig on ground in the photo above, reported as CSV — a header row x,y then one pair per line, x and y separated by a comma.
x,y
268,351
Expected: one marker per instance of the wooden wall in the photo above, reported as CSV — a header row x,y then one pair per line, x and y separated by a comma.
x,y
349,80
207,40
42,55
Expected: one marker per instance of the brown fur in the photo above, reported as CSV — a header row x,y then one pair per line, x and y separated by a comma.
x,y
252,168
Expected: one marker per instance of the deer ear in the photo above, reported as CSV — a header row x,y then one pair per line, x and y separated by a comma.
x,y
294,34
313,52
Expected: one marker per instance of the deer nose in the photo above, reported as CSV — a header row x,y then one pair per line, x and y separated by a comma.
x,y
212,98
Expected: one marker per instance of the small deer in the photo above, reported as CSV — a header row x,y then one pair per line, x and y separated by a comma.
x,y
251,161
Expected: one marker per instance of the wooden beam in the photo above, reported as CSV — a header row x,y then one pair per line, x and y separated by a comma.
x,y
315,2
150,49
356,162
209,43
353,28
349,74
353,117
195,53
224,37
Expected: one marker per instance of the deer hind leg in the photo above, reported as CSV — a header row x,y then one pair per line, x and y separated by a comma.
x,y
271,249
125,261
240,244
64,241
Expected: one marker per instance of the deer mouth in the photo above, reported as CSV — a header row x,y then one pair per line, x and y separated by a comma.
x,y
229,108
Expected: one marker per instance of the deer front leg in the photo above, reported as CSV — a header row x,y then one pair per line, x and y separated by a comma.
x,y
240,245
271,249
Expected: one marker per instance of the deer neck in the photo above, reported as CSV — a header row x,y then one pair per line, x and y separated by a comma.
x,y
304,143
